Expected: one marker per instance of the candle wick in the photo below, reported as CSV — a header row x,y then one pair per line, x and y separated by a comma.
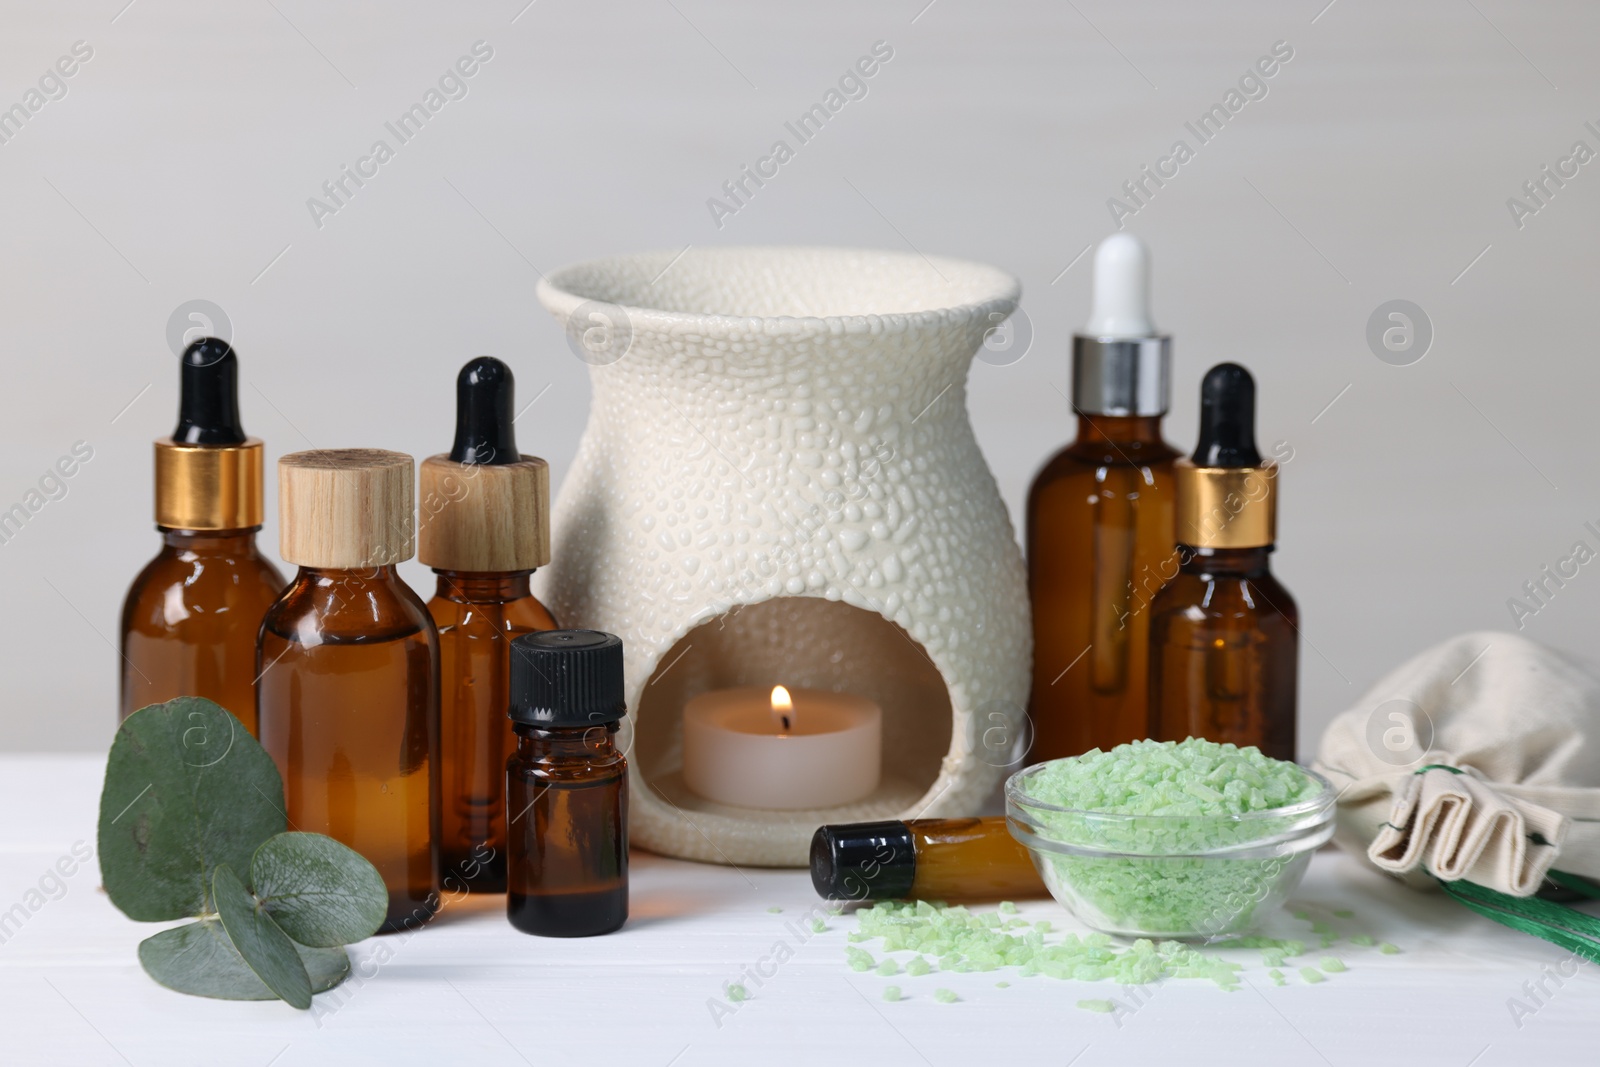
x,y
784,719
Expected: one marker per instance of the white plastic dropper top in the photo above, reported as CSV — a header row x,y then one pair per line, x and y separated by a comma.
x,y
1121,290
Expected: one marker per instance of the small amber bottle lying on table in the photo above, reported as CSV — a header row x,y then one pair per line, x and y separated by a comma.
x,y
922,859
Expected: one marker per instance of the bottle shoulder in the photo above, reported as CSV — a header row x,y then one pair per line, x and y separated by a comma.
x,y
349,610
176,585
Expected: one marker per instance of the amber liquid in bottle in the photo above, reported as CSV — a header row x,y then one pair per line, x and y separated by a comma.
x,y
970,859
1100,542
190,619
567,819
349,710
1224,650
477,615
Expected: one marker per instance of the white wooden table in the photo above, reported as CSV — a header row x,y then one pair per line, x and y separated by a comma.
x,y
470,990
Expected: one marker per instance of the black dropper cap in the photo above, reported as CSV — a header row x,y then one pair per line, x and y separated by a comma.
x,y
567,678
863,861
1227,419
208,405
484,433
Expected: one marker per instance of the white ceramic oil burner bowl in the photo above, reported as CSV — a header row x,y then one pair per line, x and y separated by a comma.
x,y
778,484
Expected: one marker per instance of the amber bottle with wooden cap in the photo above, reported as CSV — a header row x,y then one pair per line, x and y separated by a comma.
x,y
190,618
567,786
485,527
1100,522
348,660
1224,634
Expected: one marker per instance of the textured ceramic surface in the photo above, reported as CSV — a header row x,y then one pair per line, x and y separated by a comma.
x,y
778,484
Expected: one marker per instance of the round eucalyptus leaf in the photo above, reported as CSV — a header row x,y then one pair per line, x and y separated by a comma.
x,y
265,947
187,788
200,960
317,890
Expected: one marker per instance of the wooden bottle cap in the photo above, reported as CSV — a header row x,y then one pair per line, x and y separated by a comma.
x,y
346,508
483,517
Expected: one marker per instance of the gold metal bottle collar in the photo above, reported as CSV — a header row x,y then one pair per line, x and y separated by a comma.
x,y
208,487
1226,507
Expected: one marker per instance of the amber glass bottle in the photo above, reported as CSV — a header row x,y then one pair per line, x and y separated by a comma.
x,y
189,621
1224,634
922,859
485,528
1100,524
349,672
567,786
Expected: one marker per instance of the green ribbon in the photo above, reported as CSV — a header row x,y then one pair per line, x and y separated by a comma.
x,y
1573,930
1576,931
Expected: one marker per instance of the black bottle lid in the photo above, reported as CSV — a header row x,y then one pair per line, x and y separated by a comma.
x,y
484,433
1227,419
567,678
208,405
863,861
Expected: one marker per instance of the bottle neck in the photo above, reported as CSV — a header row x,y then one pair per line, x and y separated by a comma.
x,y
349,577
474,587
1225,562
206,542
584,743
1119,429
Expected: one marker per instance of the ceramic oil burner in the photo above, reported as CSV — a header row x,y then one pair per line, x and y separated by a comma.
x,y
778,484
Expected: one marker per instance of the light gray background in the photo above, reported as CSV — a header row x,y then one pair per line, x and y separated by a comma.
x,y
179,163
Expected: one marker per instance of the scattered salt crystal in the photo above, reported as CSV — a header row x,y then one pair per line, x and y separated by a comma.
x,y
891,992
737,992
945,996
1104,1007
1312,975
1332,964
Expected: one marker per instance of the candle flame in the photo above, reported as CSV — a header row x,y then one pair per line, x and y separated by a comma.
x,y
782,708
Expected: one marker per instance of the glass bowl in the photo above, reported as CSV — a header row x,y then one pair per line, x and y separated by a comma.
x,y
1169,876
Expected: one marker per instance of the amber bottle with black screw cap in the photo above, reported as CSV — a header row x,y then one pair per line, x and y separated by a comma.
x,y
1224,634
922,859
348,659
567,786
189,621
485,527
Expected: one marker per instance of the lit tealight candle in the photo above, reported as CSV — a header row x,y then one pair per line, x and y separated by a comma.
x,y
786,750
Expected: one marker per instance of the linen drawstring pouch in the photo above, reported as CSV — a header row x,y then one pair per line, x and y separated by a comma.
x,y
1476,766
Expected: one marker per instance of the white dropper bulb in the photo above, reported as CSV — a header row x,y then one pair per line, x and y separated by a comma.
x,y
1121,289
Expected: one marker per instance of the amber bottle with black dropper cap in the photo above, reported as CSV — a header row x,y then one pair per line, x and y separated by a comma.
x,y
567,786
1224,634
348,660
189,621
1099,526
485,527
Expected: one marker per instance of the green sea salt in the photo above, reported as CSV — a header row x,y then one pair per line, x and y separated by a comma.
x,y
888,968
1387,949
774,910
737,993
1364,940
1007,908
1344,913
891,993
1332,964
945,996
1276,976
1312,975
1104,1007
1002,985
964,942
858,959
818,926
1191,792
